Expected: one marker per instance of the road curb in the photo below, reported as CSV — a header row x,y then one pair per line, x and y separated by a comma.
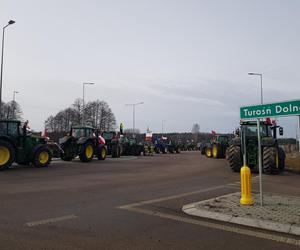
x,y
194,210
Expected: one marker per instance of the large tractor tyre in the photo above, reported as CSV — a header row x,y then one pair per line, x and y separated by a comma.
x,y
208,152
202,150
68,154
281,158
7,155
137,151
270,160
115,153
120,150
234,158
86,152
42,157
101,153
216,151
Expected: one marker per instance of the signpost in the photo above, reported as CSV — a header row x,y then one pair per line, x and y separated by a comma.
x,y
287,108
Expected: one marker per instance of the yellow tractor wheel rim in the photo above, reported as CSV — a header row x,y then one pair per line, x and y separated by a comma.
x,y
89,151
43,157
208,153
4,155
215,151
103,153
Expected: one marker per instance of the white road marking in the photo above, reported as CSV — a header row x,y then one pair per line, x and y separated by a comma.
x,y
135,207
172,197
51,220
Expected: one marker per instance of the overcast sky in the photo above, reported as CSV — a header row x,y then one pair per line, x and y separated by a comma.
x,y
187,60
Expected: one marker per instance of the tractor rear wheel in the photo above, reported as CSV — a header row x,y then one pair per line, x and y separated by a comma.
x,y
216,151
115,151
68,152
281,155
41,157
270,160
86,152
234,158
101,153
7,155
208,152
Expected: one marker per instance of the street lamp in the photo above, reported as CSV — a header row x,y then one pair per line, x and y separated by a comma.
x,y
133,114
1,76
261,86
162,126
85,83
14,98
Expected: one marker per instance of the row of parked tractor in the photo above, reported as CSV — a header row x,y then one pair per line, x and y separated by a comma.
x,y
83,142
246,138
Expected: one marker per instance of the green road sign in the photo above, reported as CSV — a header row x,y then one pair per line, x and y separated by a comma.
x,y
287,108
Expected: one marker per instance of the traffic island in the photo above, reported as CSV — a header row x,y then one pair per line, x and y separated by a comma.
x,y
279,213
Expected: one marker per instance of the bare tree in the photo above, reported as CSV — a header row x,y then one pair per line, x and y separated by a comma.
x,y
11,110
98,113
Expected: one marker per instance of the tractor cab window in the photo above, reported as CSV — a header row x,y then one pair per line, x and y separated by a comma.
x,y
107,135
9,128
77,133
3,128
223,139
13,129
252,130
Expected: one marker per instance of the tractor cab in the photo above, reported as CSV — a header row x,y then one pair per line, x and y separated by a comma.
x,y
79,132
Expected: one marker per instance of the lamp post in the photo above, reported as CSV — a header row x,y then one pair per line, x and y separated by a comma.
x,y
133,114
162,126
261,85
83,117
2,53
14,107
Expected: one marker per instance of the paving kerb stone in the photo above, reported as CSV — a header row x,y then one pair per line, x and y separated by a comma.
x,y
279,213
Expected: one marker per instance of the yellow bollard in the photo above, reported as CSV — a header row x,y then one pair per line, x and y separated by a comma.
x,y
246,186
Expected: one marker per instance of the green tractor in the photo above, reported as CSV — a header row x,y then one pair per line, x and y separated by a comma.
x,y
273,156
217,147
82,141
113,142
130,146
173,147
22,148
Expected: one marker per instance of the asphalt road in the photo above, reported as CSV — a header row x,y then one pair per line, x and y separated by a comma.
x,y
128,203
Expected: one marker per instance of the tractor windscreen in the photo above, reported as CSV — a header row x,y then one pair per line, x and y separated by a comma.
x,y
251,130
108,135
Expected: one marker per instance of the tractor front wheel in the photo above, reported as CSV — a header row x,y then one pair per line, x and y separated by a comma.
x,y
208,152
41,157
7,155
86,152
101,152
234,158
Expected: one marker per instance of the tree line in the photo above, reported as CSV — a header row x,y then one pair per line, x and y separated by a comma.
x,y
95,113
11,110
